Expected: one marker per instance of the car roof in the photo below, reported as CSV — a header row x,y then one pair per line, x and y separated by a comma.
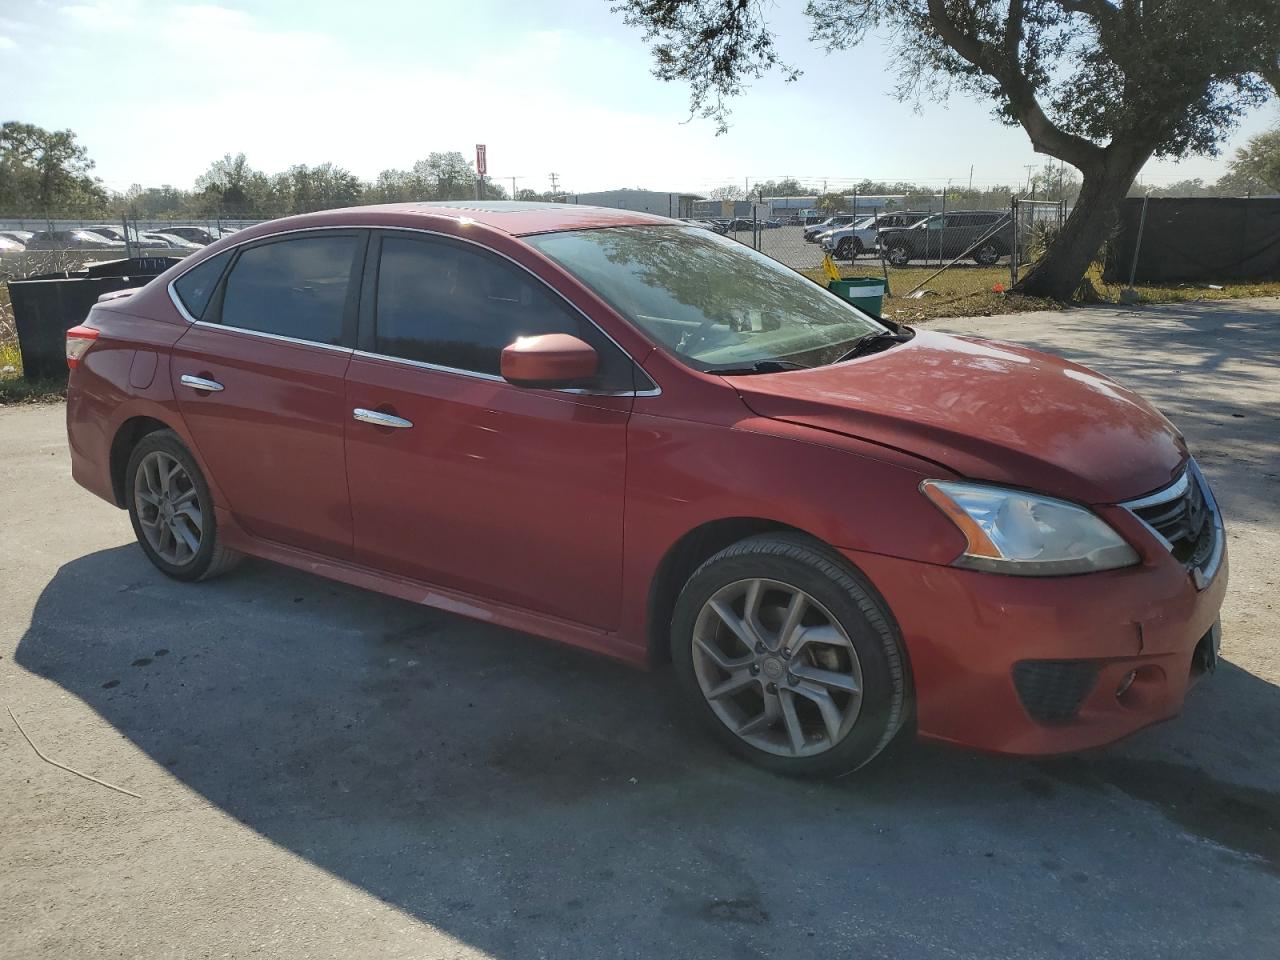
x,y
512,217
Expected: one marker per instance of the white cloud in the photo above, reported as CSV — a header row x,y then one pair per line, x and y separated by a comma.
x,y
7,43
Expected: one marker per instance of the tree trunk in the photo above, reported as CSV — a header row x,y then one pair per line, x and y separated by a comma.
x,y
1093,218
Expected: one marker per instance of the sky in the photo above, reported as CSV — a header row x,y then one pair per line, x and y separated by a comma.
x,y
158,90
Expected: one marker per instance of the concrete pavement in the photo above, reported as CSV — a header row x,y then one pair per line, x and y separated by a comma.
x,y
330,773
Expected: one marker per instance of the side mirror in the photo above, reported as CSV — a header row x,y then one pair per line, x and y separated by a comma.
x,y
549,360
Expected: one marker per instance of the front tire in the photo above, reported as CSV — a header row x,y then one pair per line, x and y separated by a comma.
x,y
171,510
898,256
789,657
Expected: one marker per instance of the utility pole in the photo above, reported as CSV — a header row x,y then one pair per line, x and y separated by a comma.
x,y
971,176
555,186
513,188
1030,167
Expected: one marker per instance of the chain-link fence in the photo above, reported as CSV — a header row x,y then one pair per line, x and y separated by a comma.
x,y
938,248
30,245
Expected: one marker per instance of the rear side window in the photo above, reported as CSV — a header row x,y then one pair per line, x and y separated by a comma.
x,y
292,288
195,287
448,305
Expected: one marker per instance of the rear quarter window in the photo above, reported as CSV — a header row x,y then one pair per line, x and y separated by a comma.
x,y
195,287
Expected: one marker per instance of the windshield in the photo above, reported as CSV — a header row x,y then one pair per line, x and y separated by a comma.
x,y
710,300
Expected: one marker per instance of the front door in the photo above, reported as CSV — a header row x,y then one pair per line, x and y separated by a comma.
x,y
260,378
506,493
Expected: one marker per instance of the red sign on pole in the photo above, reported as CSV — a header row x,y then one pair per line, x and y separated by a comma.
x,y
482,166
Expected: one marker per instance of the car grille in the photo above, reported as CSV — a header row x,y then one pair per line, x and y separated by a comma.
x,y
1185,518
1052,690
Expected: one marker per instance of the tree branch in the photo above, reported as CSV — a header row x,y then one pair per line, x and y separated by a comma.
x,y
1006,69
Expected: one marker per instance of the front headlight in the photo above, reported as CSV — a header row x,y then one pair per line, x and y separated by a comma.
x,y
1010,531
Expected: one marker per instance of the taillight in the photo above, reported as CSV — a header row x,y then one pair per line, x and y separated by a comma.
x,y
79,340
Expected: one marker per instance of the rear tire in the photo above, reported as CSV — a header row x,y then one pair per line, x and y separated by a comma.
x,y
850,249
171,509
898,256
815,686
988,254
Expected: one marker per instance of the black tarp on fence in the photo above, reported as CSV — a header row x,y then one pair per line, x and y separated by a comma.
x,y
46,306
1198,239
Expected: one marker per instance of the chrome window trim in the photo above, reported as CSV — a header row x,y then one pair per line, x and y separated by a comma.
x,y
177,302
423,365
273,336
493,378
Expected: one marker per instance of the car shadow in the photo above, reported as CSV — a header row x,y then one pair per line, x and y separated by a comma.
x,y
532,800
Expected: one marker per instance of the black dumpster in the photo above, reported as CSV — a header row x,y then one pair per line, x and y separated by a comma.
x,y
45,307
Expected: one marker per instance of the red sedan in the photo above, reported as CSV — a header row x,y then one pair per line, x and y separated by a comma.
x,y
630,434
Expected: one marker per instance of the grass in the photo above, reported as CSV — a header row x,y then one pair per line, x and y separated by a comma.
x,y
964,291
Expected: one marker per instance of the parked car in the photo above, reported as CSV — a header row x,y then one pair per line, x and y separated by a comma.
x,y
140,241
951,235
634,436
172,241
811,233
705,224
10,245
848,243
73,240
197,235
21,236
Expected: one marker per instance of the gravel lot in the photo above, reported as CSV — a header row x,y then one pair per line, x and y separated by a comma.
x,y
329,773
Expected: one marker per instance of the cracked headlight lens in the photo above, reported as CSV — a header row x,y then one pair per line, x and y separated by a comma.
x,y
1015,532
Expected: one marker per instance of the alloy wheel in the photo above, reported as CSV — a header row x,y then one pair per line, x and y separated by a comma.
x,y
777,668
168,507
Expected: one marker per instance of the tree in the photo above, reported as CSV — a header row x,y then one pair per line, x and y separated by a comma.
x,y
303,189
449,175
231,186
1055,182
786,187
1256,166
1103,85
728,192
831,203
46,171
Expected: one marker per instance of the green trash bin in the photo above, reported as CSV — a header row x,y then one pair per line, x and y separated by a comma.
x,y
865,293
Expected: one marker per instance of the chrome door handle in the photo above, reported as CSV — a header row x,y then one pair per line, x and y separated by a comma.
x,y
200,383
379,419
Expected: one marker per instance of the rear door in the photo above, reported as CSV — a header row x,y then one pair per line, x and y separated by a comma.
x,y
508,493
259,380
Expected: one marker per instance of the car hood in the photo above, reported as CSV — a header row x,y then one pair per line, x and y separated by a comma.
x,y
986,410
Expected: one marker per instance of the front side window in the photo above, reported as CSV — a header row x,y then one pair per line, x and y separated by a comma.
x,y
454,306
710,300
292,288
195,287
